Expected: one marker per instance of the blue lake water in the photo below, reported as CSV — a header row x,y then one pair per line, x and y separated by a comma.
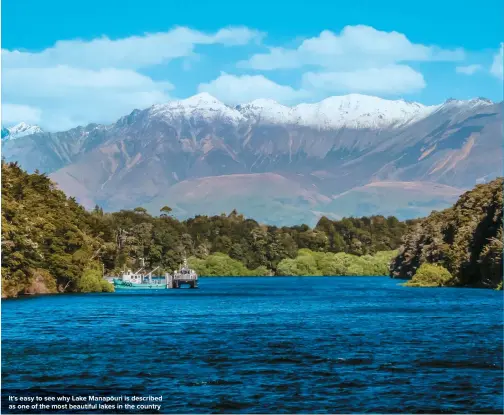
x,y
266,345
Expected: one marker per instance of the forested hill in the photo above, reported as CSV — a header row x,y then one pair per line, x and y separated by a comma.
x,y
465,239
49,242
52,244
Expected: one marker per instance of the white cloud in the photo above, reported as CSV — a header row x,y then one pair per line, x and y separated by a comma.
x,y
356,47
13,114
236,36
76,82
496,68
73,96
393,79
390,80
130,53
469,69
233,89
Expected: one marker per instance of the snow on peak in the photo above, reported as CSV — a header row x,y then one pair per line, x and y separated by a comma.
x,y
20,130
267,110
345,111
471,102
201,106
462,106
351,111
203,98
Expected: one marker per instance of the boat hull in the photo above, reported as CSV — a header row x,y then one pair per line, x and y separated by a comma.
x,y
140,287
119,285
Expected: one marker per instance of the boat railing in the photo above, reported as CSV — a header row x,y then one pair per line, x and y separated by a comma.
x,y
180,276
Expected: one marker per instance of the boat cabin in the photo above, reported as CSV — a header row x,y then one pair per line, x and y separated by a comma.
x,y
129,276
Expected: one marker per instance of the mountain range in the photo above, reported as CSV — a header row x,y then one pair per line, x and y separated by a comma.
x,y
347,155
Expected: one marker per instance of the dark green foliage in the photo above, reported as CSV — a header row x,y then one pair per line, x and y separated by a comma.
x,y
466,239
47,238
42,229
366,235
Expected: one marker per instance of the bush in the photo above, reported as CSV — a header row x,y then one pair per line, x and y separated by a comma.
x,y
260,271
287,267
106,286
341,264
92,282
89,282
221,265
430,275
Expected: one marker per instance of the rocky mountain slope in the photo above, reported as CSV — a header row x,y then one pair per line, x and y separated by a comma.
x,y
349,155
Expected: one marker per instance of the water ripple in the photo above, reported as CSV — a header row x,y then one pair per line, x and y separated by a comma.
x,y
275,345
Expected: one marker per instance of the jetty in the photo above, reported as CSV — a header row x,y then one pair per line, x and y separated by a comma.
x,y
129,280
184,276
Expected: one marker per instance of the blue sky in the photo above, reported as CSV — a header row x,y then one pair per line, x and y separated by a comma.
x,y
69,63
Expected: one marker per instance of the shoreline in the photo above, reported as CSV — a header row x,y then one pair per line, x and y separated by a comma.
x,y
400,282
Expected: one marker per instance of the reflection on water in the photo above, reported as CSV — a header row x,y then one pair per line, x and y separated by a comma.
x,y
346,344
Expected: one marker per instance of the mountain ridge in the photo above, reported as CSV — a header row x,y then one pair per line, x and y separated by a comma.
x,y
138,159
196,101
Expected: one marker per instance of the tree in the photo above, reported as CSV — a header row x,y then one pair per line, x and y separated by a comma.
x,y
165,211
466,239
140,210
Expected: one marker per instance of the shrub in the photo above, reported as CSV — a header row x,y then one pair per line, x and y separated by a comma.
x,y
430,275
221,265
106,286
89,282
260,271
287,267
92,282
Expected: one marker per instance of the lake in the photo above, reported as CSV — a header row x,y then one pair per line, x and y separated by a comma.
x,y
265,345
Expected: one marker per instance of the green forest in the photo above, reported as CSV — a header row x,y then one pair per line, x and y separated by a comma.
x,y
52,244
463,242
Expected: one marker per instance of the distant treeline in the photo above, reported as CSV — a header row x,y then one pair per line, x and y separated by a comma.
x,y
306,263
51,243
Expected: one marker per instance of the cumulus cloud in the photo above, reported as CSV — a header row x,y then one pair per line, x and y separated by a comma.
x,y
74,96
390,80
235,90
13,114
133,52
358,59
76,82
469,69
354,47
393,79
496,68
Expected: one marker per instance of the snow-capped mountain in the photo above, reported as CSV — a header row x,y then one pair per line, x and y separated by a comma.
x,y
346,111
353,111
465,105
346,155
350,111
20,130
202,106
